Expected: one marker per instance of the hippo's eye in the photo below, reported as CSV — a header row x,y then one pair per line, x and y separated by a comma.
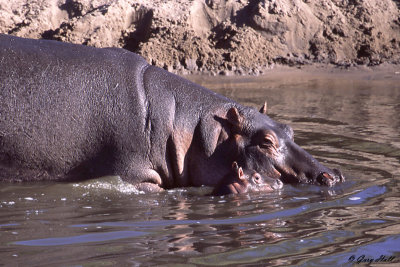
x,y
256,179
268,141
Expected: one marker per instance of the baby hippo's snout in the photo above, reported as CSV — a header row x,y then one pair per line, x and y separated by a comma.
x,y
275,183
257,182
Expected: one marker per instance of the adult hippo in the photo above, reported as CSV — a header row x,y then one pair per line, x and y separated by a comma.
x,y
240,181
76,112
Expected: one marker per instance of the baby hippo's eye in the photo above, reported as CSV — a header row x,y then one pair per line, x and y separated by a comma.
x,y
257,178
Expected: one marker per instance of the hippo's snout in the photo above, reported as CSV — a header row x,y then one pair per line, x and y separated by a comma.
x,y
330,178
297,166
277,184
274,183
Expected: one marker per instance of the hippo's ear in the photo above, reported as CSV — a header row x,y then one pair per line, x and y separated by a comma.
x,y
264,108
235,118
240,173
238,170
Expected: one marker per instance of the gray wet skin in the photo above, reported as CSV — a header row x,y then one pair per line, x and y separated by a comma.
x,y
72,112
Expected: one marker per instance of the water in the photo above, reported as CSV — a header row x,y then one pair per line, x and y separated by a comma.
x,y
350,122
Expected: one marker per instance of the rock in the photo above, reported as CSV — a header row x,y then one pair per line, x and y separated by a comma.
x,y
219,36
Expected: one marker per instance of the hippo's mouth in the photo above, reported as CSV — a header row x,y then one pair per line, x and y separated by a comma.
x,y
323,178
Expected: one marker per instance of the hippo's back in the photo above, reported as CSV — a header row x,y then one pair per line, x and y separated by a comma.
x,y
59,103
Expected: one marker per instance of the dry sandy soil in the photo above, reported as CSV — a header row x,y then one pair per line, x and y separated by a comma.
x,y
219,36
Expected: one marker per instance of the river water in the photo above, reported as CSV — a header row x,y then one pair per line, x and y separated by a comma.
x,y
347,121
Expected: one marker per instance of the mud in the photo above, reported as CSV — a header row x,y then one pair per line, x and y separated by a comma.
x,y
220,36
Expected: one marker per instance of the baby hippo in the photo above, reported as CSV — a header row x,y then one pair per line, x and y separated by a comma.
x,y
240,181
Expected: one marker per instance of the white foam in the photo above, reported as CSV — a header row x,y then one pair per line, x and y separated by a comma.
x,y
112,183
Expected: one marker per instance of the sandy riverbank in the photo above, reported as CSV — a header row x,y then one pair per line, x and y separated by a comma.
x,y
220,36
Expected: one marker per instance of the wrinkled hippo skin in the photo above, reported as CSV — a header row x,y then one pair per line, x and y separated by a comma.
x,y
240,181
72,112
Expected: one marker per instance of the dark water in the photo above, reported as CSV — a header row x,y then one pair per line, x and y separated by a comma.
x,y
347,122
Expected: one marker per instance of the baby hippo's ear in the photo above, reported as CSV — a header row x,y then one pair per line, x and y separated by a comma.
x,y
235,166
240,173
237,170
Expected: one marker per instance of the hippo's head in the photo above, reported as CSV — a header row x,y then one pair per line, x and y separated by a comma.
x,y
268,147
239,181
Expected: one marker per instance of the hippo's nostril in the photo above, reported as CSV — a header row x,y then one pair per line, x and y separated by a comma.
x,y
330,178
325,178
